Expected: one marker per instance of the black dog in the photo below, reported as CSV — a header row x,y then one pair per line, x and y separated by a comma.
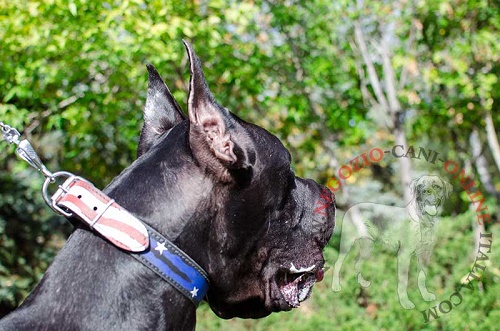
x,y
223,191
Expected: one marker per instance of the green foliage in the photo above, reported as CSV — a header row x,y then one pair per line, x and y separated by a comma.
x,y
73,78
461,66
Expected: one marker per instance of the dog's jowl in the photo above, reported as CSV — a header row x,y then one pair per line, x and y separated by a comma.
x,y
223,191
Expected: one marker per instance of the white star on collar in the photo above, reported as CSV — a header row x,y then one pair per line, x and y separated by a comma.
x,y
161,247
194,292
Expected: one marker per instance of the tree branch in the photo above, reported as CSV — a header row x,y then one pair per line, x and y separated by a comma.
x,y
389,78
492,138
370,68
404,71
481,164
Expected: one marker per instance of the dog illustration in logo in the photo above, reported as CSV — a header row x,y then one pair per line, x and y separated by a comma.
x,y
406,230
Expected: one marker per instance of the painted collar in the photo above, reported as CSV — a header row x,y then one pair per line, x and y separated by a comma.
x,y
174,266
79,198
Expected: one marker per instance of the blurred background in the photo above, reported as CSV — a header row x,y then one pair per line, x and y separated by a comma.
x,y
332,79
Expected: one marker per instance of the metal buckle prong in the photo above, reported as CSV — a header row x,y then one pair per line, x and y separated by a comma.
x,y
64,188
98,216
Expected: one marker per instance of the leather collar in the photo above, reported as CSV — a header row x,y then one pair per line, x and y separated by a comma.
x,y
79,198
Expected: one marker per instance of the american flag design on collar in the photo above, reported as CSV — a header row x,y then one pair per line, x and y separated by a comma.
x,y
102,214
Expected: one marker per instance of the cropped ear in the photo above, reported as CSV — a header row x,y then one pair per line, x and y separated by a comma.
x,y
161,113
216,138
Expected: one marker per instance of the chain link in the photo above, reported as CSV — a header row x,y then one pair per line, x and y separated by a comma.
x,y
10,134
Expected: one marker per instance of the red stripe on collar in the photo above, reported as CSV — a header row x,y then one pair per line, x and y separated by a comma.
x,y
102,214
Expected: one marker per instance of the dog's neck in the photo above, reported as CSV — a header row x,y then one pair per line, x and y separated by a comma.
x,y
161,198
112,290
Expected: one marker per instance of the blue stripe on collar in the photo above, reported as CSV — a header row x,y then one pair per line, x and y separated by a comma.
x,y
174,266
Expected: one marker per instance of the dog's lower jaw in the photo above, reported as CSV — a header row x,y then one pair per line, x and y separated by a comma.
x,y
260,304
246,309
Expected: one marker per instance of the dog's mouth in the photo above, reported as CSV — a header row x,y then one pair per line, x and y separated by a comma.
x,y
430,209
295,285
431,206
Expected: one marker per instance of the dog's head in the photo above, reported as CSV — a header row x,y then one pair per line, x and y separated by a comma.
x,y
225,192
430,192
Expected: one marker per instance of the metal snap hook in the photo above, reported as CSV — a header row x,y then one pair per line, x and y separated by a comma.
x,y
51,201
